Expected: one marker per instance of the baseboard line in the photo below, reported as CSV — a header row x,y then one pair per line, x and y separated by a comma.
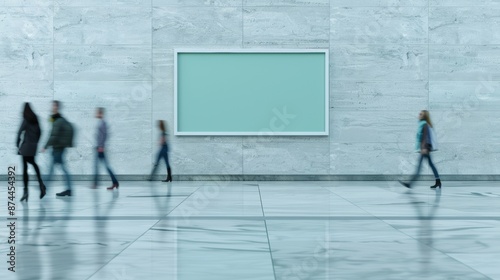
x,y
267,177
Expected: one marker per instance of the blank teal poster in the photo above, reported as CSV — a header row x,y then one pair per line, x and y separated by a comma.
x,y
251,93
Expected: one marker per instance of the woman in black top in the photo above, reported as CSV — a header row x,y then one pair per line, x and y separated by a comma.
x,y
163,153
30,134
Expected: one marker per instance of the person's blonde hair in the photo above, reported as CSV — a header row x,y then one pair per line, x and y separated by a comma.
x,y
427,117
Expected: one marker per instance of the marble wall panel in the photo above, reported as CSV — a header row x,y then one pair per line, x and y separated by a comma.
x,y
372,126
372,158
95,25
260,3
464,63
376,3
126,97
163,66
278,26
102,63
13,94
399,158
27,25
378,96
163,106
206,158
464,25
21,62
467,126
193,3
197,26
460,96
262,139
492,3
163,90
379,25
101,3
363,62
119,54
285,158
468,158
26,3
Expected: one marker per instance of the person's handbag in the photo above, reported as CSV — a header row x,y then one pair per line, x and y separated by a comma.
x,y
433,139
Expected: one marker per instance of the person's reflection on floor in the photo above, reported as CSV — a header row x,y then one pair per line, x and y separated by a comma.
x,y
425,215
165,232
29,254
161,200
102,214
62,252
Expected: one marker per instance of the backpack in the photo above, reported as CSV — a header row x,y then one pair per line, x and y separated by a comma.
x,y
68,134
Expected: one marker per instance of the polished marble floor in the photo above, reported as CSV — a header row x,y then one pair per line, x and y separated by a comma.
x,y
257,230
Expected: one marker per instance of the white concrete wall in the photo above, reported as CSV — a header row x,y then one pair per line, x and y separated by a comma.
x,y
389,59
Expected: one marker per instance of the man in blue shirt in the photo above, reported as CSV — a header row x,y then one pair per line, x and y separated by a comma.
x,y
102,135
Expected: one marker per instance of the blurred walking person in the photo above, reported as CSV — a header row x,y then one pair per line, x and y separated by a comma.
x,y
163,153
102,136
30,133
425,144
61,137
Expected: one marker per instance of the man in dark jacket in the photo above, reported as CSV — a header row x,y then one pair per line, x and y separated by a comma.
x,y
102,136
56,141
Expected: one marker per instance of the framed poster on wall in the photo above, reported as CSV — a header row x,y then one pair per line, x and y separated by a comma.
x,y
251,92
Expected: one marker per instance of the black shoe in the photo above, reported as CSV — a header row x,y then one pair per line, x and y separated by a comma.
x,y
43,191
114,186
169,175
168,179
437,184
64,193
25,197
405,184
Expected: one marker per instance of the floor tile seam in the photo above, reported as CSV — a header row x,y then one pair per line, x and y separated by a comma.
x,y
418,241
269,218
464,264
347,200
105,203
421,243
139,237
411,237
92,207
51,220
267,234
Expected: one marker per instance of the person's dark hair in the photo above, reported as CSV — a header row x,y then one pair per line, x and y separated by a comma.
x,y
29,115
57,103
161,125
100,110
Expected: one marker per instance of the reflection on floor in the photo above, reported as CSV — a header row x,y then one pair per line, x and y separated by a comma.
x,y
257,230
